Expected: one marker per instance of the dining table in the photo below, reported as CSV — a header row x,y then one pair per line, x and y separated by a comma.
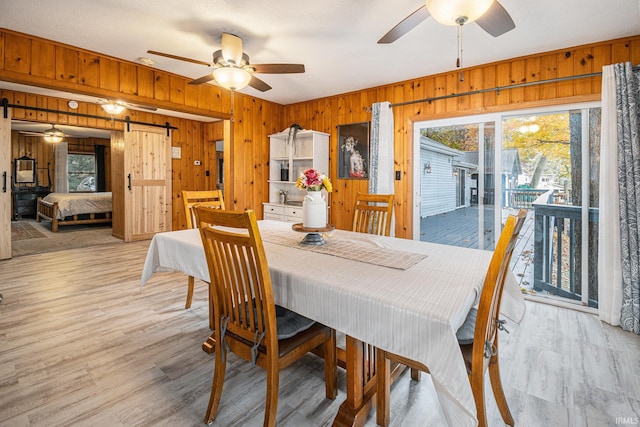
x,y
403,296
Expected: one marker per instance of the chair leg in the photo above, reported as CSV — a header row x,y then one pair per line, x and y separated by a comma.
x,y
220,368
415,374
498,392
331,367
383,384
189,292
477,388
271,403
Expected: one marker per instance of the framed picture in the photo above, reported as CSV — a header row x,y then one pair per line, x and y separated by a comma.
x,y
353,151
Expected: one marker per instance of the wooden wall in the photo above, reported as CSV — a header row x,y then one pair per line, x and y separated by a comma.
x,y
30,60
43,152
33,61
327,113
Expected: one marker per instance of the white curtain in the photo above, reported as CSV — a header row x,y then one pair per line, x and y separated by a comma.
x,y
609,270
61,182
381,152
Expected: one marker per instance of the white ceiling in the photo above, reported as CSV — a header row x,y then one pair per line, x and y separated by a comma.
x,y
334,39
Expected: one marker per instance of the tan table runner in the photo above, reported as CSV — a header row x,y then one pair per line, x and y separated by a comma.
x,y
356,249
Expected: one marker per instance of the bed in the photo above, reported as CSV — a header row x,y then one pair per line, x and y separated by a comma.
x,y
74,208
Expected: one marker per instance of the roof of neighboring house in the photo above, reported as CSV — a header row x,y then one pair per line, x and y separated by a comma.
x,y
432,145
469,159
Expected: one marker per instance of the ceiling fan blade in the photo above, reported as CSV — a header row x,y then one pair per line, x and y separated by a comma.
x,y
278,68
406,25
231,48
203,79
139,107
496,21
179,58
30,133
258,84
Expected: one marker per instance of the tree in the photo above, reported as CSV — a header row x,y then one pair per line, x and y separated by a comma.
x,y
543,145
459,137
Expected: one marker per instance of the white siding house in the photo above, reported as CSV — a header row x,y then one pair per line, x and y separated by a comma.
x,y
445,181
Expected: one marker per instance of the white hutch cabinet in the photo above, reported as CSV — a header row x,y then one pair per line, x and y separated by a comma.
x,y
287,160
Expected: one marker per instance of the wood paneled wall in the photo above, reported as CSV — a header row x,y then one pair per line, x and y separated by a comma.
x,y
33,61
327,113
43,152
30,60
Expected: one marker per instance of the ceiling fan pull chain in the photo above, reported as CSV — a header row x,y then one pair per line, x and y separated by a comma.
x,y
233,117
459,61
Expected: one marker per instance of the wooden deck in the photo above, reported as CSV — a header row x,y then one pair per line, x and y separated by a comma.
x,y
460,228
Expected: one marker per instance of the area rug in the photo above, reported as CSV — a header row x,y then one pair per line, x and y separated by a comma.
x,y
40,239
23,230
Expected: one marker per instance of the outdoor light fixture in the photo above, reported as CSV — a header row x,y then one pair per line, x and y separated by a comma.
x,y
427,168
455,172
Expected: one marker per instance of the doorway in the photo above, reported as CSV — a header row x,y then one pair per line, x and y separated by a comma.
x,y
457,203
543,160
86,169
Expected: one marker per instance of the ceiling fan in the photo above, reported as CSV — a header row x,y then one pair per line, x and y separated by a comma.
x,y
116,107
232,69
52,134
490,15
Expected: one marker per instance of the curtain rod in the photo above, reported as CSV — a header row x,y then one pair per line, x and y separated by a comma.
x,y
497,89
5,104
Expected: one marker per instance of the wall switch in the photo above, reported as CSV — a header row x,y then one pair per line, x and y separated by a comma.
x,y
196,162
398,175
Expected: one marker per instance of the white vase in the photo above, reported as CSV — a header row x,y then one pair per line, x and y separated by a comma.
x,y
314,210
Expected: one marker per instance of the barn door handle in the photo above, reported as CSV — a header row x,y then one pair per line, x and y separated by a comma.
x,y
129,177
4,181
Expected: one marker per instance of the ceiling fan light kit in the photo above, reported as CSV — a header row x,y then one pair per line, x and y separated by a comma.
x,y
231,67
232,78
457,12
112,108
53,135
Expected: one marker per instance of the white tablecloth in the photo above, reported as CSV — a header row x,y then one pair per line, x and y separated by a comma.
x,y
414,312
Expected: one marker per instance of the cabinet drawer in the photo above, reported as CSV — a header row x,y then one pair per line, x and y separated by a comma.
x,y
273,217
273,209
297,212
293,219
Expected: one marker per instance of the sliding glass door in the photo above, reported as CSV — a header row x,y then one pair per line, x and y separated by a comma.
x,y
456,183
474,171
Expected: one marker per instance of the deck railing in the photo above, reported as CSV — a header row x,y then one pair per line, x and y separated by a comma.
x,y
521,197
558,249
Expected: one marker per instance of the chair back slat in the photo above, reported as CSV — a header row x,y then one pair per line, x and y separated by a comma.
x,y
210,198
486,332
242,285
373,213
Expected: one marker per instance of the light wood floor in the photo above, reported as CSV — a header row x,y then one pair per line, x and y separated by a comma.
x,y
82,344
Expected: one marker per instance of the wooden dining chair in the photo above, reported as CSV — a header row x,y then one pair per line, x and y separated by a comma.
x,y
246,320
372,213
211,198
478,336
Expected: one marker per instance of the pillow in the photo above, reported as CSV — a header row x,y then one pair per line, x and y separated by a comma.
x,y
468,328
290,323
